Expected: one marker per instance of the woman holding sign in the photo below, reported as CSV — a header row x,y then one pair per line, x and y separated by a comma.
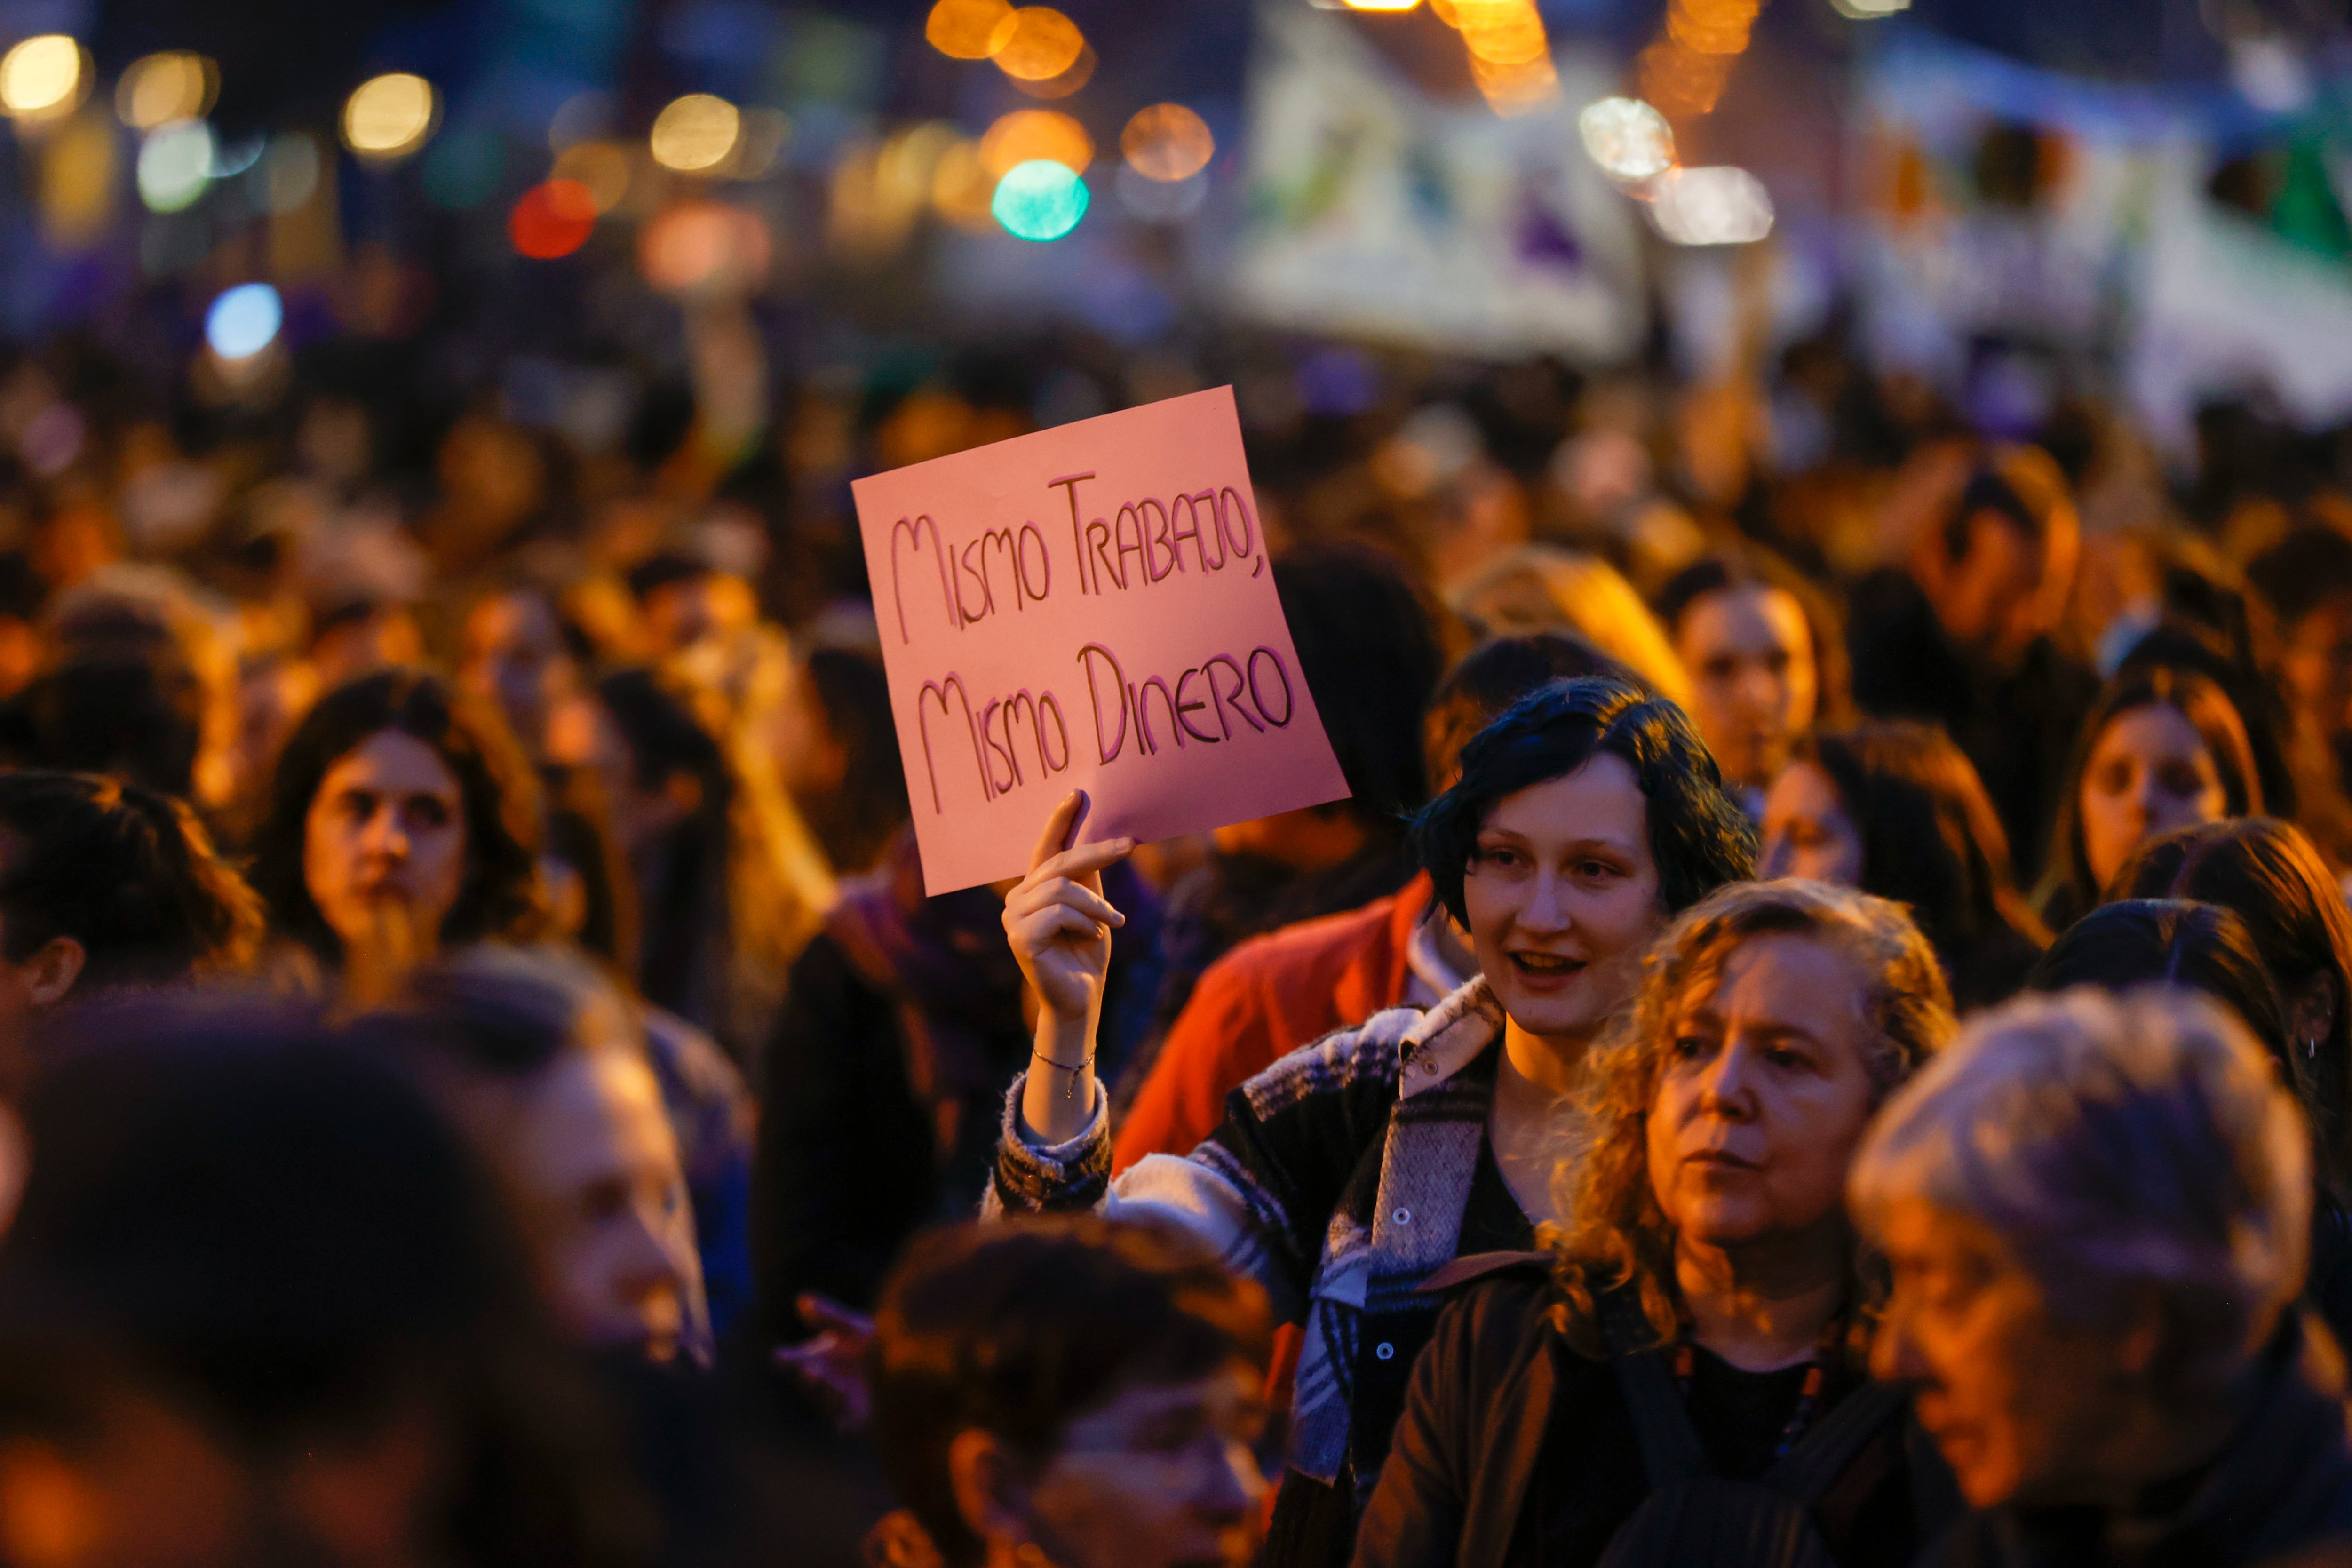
x,y
1585,818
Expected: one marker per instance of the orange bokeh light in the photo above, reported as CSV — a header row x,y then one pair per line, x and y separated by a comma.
x,y
553,219
1167,142
1681,80
1035,43
1711,26
1030,133
961,29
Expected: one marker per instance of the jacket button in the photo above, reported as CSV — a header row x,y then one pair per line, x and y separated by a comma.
x,y
1385,1351
1402,1216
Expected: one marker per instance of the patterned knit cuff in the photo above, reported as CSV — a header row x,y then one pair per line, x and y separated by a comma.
x,y
1057,1177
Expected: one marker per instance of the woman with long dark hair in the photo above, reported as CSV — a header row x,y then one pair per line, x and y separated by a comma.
x,y
2160,749
402,818
1896,809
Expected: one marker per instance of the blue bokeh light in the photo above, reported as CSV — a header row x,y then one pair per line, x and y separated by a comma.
x,y
244,320
1039,200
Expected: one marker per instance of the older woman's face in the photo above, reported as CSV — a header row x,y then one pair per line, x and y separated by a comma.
x,y
2149,773
2017,1402
1563,897
1160,1476
383,847
1764,1092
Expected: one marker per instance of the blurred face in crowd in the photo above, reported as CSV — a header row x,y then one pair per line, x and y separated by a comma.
x,y
383,850
1754,685
1807,831
1563,896
1162,1476
1764,1092
1988,600
594,1160
2149,773
2318,667
2021,1405
515,656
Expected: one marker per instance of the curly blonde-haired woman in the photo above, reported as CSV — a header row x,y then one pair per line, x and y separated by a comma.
x,y
1705,1308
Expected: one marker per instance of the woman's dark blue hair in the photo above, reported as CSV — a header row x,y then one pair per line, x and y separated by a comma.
x,y
1698,836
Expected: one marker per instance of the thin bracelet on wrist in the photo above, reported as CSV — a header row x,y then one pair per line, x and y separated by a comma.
x,y
1069,1090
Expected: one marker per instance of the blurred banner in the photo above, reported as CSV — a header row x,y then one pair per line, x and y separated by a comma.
x,y
1374,210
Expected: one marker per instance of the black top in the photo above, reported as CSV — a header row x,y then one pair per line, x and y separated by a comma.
x,y
1588,1479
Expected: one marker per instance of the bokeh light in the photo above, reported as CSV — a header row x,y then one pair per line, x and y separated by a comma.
x,y
244,320
961,187
159,89
1039,200
1160,201
1631,141
43,78
760,138
1035,43
1681,80
289,170
552,219
1028,134
176,165
704,247
1716,205
1167,142
600,168
696,133
389,117
1501,32
962,29
1081,72
1711,26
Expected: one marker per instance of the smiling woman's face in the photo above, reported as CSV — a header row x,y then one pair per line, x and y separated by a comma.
x,y
1563,898
1764,1094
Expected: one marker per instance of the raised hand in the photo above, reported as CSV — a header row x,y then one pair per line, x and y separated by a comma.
x,y
1059,924
1058,920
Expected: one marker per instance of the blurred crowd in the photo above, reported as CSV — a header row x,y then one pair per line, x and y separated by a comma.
x,y
1823,1032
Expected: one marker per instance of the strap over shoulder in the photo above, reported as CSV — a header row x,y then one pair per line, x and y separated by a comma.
x,y
1474,1266
1671,1451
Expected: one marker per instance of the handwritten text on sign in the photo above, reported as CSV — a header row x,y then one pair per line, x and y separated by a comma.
x,y
1088,607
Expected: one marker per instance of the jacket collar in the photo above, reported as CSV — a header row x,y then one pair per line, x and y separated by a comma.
x,y
1449,1038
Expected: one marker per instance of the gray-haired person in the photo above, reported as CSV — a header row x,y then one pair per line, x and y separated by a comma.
x,y
2098,1212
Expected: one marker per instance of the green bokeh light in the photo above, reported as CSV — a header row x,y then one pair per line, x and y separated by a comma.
x,y
1039,200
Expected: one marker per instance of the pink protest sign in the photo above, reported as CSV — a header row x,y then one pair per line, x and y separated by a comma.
x,y
1088,607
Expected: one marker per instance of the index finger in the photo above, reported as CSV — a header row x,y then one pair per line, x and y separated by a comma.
x,y
1085,859
1059,825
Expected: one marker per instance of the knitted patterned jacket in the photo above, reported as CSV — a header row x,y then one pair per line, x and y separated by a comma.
x,y
1338,1181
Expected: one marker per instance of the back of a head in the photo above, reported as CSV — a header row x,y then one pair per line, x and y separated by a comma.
x,y
284,1226
2120,1149
498,1014
2169,941
1543,587
1497,673
127,873
663,736
133,715
1368,648
2271,876
1017,1329
870,803
232,1209
2304,570
1930,836
1698,835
